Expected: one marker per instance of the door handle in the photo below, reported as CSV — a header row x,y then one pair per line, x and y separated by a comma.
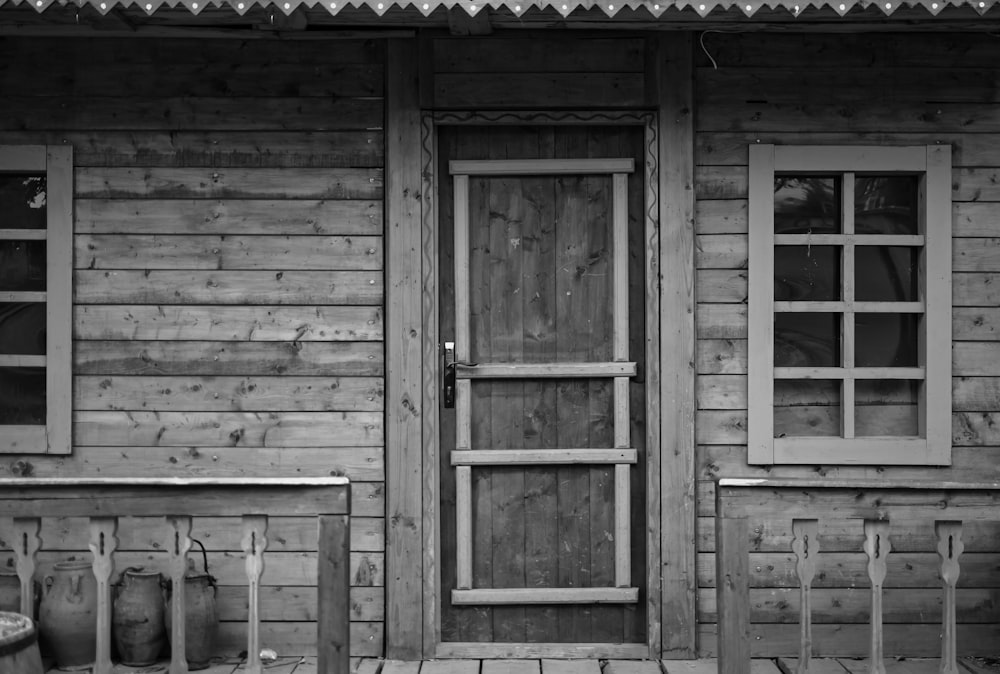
x,y
450,366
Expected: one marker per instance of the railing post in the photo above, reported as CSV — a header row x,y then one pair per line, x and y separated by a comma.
x,y
26,551
878,547
732,568
806,548
177,548
333,626
103,543
949,547
254,545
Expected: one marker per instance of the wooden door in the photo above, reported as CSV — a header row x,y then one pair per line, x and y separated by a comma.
x,y
542,467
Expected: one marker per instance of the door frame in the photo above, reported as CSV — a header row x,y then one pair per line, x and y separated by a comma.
x,y
431,377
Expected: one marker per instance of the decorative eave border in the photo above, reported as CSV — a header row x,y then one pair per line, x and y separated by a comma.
x,y
655,8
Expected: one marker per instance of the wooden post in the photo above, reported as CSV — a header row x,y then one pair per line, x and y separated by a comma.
x,y
877,546
732,574
26,551
806,548
333,626
177,549
254,545
949,547
103,542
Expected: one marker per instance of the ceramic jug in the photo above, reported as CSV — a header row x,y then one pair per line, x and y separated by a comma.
x,y
68,614
137,618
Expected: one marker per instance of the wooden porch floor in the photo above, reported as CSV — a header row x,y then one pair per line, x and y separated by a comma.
x,y
307,665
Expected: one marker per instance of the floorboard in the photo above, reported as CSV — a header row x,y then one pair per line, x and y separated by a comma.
x,y
816,666
633,667
510,667
571,667
450,667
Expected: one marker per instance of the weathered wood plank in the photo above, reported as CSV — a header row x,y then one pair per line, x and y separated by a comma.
x,y
271,429
450,667
969,464
976,289
976,359
721,356
127,78
721,216
282,602
844,570
228,323
178,50
299,637
518,54
401,667
722,321
285,568
674,627
230,183
853,605
721,286
317,217
571,666
721,251
186,114
229,358
228,394
769,640
218,149
790,84
632,667
510,667
404,410
284,253
540,89
162,286
728,149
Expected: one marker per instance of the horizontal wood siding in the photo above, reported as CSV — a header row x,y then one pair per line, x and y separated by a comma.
x,y
554,71
228,291
893,89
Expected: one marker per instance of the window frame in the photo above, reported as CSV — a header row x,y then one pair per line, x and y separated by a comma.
x,y
56,163
933,164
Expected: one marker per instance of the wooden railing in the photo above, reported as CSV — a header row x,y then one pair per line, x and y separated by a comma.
x,y
739,502
103,501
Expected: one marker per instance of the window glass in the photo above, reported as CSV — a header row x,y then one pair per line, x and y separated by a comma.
x,y
885,205
886,340
22,395
806,205
886,273
806,340
22,201
22,328
807,407
22,265
806,273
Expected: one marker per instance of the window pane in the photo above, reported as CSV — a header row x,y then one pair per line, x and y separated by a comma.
x,y
22,265
886,274
22,328
886,407
807,273
885,205
806,340
22,201
886,340
806,205
807,407
22,395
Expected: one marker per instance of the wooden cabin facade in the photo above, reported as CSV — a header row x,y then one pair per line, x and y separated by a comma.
x,y
278,218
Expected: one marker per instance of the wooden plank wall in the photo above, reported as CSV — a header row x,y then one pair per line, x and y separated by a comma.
x,y
863,89
228,314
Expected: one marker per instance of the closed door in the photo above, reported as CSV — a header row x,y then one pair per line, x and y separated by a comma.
x,y
543,458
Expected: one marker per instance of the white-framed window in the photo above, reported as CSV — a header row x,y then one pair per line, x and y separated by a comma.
x,y
36,267
849,305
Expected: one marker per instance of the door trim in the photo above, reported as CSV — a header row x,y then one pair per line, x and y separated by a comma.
x,y
431,372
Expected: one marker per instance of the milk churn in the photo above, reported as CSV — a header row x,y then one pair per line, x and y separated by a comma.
x,y
68,614
137,619
201,625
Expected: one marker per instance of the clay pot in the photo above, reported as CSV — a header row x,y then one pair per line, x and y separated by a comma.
x,y
137,619
201,624
68,614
